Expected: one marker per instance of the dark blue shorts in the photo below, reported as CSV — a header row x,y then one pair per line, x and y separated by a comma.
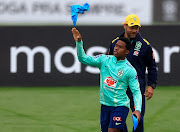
x,y
113,117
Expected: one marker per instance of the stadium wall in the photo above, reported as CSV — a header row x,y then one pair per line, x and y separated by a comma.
x,y
46,56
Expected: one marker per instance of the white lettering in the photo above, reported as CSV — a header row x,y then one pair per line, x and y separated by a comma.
x,y
156,54
168,51
76,67
30,58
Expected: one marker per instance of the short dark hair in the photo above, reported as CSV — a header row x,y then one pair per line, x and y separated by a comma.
x,y
127,41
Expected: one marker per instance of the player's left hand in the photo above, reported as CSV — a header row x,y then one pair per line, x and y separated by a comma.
x,y
138,114
149,92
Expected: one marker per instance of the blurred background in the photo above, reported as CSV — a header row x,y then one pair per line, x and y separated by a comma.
x,y
37,48
42,84
57,12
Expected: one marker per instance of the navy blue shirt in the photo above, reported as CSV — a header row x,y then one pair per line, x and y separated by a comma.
x,y
141,57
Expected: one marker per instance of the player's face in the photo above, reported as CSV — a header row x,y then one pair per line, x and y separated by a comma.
x,y
132,31
120,50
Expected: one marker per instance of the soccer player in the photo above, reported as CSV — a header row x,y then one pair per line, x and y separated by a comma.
x,y
116,74
141,57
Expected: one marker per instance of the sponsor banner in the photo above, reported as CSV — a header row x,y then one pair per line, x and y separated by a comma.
x,y
166,11
58,11
46,56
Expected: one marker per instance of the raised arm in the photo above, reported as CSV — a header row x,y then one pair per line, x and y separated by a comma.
x,y
82,57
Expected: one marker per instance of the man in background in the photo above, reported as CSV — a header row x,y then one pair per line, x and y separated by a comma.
x,y
141,57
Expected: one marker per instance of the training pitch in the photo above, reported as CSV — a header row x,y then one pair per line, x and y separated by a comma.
x,y
77,109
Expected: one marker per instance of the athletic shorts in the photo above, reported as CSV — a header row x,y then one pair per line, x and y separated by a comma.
x,y
113,117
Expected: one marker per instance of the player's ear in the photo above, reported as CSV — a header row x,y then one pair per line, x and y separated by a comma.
x,y
127,52
125,25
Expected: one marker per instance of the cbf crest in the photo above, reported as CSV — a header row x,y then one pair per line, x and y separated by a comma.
x,y
137,48
120,73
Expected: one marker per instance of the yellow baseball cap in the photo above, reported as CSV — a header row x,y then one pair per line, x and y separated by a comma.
x,y
132,20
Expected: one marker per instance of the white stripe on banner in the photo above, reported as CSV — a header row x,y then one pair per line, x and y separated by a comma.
x,y
58,11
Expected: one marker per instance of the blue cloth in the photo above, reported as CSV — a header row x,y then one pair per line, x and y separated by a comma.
x,y
75,9
135,122
140,127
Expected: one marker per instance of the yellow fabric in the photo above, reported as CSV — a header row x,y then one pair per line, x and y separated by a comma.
x,y
132,20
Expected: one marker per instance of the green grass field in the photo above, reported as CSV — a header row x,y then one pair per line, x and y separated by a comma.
x,y
77,109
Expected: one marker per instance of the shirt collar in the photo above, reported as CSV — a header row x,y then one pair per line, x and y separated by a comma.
x,y
118,61
138,36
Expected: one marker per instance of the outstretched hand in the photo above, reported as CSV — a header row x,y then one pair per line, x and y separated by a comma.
x,y
76,34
